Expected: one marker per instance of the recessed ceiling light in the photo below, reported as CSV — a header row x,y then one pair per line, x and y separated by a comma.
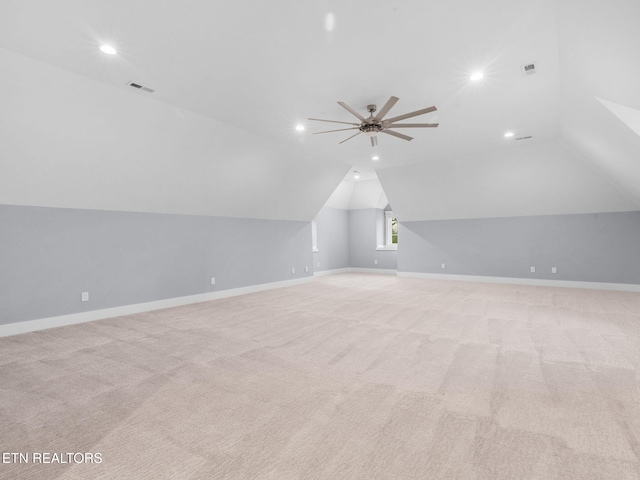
x,y
329,22
108,49
375,157
299,128
356,177
508,134
476,76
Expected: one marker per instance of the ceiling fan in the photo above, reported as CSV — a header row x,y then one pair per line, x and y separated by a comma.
x,y
375,124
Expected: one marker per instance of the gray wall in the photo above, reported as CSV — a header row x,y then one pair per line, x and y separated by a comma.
x,y
48,256
602,247
363,232
332,226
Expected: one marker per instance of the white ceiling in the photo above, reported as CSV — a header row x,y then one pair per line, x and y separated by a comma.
x,y
262,68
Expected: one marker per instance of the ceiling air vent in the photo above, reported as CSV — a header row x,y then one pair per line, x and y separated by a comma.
x,y
528,69
140,87
524,138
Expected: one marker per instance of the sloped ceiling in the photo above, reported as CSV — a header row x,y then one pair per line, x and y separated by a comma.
x,y
594,166
598,48
629,116
71,142
352,194
232,79
538,179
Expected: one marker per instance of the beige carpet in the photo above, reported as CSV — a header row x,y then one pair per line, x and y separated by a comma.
x,y
349,377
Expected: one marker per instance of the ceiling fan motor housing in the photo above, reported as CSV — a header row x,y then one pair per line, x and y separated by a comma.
x,y
371,129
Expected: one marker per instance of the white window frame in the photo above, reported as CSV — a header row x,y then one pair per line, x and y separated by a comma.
x,y
314,236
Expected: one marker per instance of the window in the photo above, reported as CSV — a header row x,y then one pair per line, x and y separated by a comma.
x,y
391,228
390,232
394,230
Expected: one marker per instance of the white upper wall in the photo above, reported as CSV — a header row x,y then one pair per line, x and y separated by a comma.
x,y
354,194
233,79
541,179
596,134
629,116
70,141
598,48
368,194
341,196
594,165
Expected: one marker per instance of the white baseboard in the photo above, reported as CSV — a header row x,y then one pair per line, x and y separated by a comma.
x,y
624,287
335,271
379,271
82,317
63,320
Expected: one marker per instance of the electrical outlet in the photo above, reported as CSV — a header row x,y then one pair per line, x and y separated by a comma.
x,y
293,270
85,296
533,269
306,269
213,280
554,270
442,265
318,264
375,262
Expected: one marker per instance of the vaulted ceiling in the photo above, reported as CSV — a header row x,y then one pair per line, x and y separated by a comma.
x,y
231,80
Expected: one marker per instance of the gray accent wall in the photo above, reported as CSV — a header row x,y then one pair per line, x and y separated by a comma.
x,y
48,256
332,231
363,240
601,247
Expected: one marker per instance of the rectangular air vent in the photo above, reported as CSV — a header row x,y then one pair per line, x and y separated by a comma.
x,y
524,138
140,87
528,69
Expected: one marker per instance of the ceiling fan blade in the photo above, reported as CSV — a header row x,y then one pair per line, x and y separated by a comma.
x,y
411,125
351,110
332,121
396,134
412,114
349,138
384,110
338,130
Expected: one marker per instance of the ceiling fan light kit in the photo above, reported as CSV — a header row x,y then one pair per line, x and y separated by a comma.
x,y
375,124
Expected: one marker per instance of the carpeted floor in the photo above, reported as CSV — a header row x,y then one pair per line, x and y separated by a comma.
x,y
349,377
